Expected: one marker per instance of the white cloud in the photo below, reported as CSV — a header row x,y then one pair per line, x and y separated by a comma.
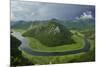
x,y
86,15
27,10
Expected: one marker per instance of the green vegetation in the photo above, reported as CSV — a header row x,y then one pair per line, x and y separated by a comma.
x,y
89,34
81,24
80,57
38,46
51,34
16,55
22,25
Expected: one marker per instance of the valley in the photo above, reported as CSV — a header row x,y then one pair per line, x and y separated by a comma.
x,y
53,42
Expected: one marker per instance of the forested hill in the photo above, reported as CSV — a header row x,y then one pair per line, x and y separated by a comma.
x,y
50,34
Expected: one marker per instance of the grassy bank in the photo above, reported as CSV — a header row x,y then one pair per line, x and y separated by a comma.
x,y
37,46
38,60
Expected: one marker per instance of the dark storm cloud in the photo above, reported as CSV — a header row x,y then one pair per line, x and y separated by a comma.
x,y
21,10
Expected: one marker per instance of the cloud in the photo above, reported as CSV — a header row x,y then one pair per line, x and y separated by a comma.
x,y
86,15
27,10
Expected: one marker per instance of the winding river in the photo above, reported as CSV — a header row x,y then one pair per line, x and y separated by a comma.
x,y
24,46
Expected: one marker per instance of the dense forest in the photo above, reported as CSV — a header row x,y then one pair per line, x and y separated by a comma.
x,y
51,34
16,55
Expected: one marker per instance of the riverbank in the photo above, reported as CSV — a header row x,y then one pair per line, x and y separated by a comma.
x,y
25,47
81,55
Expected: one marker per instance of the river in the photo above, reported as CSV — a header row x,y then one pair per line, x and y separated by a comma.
x,y
25,47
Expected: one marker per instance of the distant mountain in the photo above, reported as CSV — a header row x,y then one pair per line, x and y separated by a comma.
x,y
77,24
21,25
81,24
24,24
50,34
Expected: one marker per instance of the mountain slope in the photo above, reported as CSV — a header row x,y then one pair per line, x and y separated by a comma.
x,y
50,34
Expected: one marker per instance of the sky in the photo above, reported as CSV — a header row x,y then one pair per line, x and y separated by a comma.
x,y
30,11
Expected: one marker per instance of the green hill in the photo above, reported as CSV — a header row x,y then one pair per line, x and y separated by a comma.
x,y
50,34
